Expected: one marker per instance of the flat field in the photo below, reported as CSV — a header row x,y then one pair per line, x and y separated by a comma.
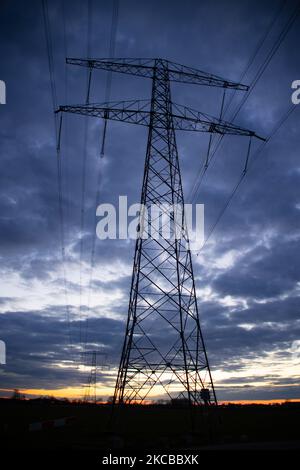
x,y
145,427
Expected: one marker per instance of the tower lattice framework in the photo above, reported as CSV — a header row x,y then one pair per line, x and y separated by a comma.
x,y
163,352
163,343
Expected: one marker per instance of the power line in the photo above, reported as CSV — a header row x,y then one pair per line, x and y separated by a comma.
x,y
66,136
212,139
217,146
271,54
266,62
275,129
50,61
112,48
83,180
258,48
254,82
58,128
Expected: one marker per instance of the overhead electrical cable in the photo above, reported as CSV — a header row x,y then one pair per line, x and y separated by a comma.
x,y
57,128
250,164
262,68
84,169
108,84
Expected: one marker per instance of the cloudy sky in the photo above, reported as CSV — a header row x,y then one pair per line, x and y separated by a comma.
x,y
247,275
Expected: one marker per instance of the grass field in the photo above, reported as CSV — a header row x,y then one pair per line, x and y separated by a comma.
x,y
144,426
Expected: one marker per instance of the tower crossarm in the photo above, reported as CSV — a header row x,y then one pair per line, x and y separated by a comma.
x,y
145,67
139,67
184,74
133,112
188,119
137,112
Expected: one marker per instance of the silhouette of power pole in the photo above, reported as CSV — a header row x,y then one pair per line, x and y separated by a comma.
x,y
90,393
163,350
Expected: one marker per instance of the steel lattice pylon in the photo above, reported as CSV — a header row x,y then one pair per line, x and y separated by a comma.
x,y
90,393
163,352
162,297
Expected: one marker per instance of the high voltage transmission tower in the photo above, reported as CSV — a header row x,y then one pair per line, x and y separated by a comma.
x,y
163,351
90,393
90,388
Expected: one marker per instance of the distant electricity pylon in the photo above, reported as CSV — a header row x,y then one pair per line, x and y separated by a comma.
x,y
90,388
90,393
163,352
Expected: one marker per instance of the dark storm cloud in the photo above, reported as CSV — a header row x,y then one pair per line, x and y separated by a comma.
x,y
265,272
37,341
261,224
